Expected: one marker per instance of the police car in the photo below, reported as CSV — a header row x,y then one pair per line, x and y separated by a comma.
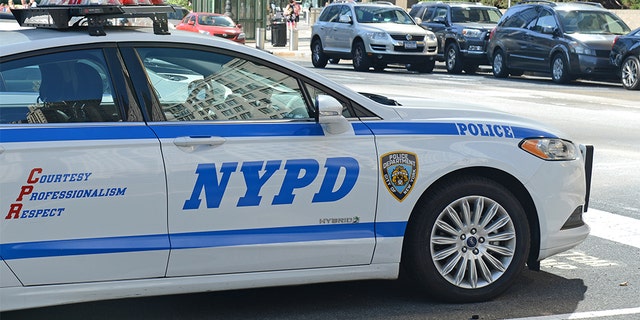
x,y
138,162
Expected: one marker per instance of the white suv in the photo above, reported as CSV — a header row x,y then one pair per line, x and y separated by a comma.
x,y
372,35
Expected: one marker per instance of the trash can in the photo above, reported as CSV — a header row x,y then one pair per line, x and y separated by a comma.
x,y
278,34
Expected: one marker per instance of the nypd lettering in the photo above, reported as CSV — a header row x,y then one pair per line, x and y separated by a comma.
x,y
340,175
399,172
37,177
485,130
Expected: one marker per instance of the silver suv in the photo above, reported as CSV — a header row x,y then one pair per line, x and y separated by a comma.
x,y
371,35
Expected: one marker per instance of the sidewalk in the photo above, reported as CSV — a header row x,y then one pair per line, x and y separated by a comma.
x,y
303,51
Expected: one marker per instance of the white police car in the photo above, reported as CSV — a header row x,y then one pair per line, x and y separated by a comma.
x,y
137,163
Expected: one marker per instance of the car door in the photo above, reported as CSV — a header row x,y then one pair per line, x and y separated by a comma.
x,y
436,20
83,184
345,29
324,27
254,182
542,41
517,38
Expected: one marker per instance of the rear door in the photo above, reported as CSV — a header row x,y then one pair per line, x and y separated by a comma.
x,y
83,184
254,182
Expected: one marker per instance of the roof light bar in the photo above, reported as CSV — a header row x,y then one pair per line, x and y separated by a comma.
x,y
56,14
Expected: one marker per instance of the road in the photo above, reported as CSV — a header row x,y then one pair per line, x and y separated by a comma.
x,y
599,279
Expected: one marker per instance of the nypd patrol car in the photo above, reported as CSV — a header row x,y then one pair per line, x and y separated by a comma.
x,y
137,161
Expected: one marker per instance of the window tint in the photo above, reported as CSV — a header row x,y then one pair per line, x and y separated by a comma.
x,y
57,88
199,85
545,20
519,18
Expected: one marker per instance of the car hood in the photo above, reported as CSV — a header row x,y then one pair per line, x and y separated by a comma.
x,y
476,25
393,28
419,109
596,41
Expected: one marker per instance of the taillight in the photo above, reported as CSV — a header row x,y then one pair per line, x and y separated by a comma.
x,y
614,41
491,33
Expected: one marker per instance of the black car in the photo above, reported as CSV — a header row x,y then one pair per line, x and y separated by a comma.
x,y
625,55
462,30
567,40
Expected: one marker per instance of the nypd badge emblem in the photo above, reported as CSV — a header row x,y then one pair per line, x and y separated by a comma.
x,y
399,172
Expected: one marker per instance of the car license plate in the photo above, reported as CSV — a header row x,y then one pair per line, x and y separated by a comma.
x,y
410,45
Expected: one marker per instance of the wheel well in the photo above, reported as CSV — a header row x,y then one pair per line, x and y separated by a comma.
x,y
356,40
513,185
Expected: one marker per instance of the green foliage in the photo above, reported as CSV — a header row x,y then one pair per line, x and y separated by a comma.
x,y
186,3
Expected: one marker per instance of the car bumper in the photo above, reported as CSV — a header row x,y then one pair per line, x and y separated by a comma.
x,y
475,50
561,205
593,66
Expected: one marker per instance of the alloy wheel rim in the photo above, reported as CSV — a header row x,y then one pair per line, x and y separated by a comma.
x,y
497,63
630,71
473,242
558,68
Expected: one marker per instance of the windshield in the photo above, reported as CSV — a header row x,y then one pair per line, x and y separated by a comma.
x,y
471,14
221,21
369,14
592,22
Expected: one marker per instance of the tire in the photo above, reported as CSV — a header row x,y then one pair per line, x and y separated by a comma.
x,y
453,60
471,68
500,69
445,252
630,72
361,61
424,67
559,69
334,60
318,57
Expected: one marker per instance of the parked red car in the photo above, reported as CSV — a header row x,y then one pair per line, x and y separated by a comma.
x,y
212,24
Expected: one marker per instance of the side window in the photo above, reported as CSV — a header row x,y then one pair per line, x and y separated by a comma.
x,y
545,20
345,11
329,14
198,85
441,13
428,14
57,88
520,18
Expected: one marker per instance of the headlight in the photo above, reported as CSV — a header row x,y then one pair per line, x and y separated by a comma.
x,y
550,148
472,33
241,35
431,36
580,48
378,35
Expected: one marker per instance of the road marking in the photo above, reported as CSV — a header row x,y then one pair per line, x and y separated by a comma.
x,y
585,315
613,227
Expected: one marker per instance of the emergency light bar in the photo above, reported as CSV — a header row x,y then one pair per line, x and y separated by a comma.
x,y
56,14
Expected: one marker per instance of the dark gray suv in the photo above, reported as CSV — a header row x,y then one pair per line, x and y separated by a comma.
x,y
462,30
566,40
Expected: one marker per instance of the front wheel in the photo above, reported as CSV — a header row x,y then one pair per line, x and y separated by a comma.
x,y
361,61
499,64
453,59
318,58
559,69
630,73
467,240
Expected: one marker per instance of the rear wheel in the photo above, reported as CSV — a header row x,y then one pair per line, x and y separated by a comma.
x,y
318,58
559,69
630,73
467,240
453,60
500,69
361,61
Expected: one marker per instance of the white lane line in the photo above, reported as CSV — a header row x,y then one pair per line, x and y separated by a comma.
x,y
585,315
613,227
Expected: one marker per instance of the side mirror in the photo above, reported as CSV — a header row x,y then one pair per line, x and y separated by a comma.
x,y
418,20
330,115
441,20
344,18
239,26
191,22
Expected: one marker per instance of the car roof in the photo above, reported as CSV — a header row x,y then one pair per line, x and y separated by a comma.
x,y
566,6
453,4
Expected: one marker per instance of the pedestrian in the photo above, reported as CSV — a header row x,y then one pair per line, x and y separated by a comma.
x,y
292,14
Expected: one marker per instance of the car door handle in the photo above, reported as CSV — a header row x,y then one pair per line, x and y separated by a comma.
x,y
192,141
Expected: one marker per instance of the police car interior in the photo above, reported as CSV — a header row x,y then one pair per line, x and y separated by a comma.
x,y
141,161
